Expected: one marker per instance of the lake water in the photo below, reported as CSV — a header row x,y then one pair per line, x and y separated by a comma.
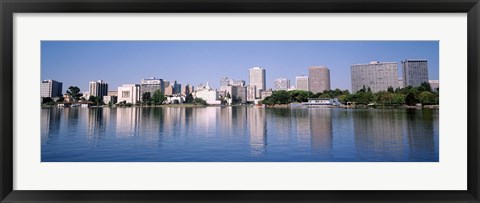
x,y
238,134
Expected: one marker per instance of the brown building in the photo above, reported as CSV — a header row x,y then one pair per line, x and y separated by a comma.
x,y
318,79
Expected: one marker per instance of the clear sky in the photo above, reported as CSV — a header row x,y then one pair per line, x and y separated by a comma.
x,y
76,63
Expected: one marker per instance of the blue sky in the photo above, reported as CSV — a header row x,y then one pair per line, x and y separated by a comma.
x,y
76,63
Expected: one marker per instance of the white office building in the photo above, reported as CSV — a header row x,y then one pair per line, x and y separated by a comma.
x,y
281,84
257,78
50,88
129,93
98,88
302,83
206,93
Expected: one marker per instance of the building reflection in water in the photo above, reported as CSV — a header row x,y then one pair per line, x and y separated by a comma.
x,y
378,134
420,133
281,120
257,124
302,126
50,122
225,120
321,137
128,121
205,121
96,122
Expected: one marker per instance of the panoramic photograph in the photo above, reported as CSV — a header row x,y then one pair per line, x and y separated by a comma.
x,y
239,101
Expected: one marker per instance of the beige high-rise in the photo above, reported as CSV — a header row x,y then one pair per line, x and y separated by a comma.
x,y
318,79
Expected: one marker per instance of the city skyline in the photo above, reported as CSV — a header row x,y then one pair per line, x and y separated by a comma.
x,y
114,61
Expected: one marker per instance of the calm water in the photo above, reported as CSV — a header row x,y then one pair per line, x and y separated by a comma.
x,y
249,134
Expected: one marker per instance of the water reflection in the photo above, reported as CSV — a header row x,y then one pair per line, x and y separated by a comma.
x,y
321,131
238,134
257,124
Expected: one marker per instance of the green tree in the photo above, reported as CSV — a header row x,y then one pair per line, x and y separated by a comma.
x,y
427,86
189,99
390,89
269,101
46,100
410,99
158,98
280,97
74,92
91,98
427,98
398,99
199,101
146,98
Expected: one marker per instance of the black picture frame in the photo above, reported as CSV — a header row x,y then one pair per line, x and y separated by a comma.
x,y
10,7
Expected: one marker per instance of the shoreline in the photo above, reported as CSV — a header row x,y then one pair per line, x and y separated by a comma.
x,y
278,106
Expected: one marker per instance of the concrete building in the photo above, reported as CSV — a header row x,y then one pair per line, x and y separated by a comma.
x,y
224,82
281,84
251,93
400,82
177,87
302,83
107,99
206,93
169,91
266,94
187,89
112,93
377,76
50,88
415,72
129,93
257,77
435,85
318,79
165,84
98,88
151,85
238,82
237,92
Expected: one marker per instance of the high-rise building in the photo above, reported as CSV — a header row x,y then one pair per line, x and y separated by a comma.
x,y
257,78
237,92
281,84
251,93
50,88
377,76
130,93
224,82
177,87
301,83
151,85
318,79
400,82
169,90
186,90
98,88
415,72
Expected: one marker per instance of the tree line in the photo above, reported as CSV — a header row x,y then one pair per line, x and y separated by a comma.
x,y
391,97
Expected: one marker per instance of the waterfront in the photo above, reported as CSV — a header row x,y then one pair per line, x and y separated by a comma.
x,y
239,133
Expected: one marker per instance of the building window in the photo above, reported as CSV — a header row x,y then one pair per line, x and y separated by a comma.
x,y
125,94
